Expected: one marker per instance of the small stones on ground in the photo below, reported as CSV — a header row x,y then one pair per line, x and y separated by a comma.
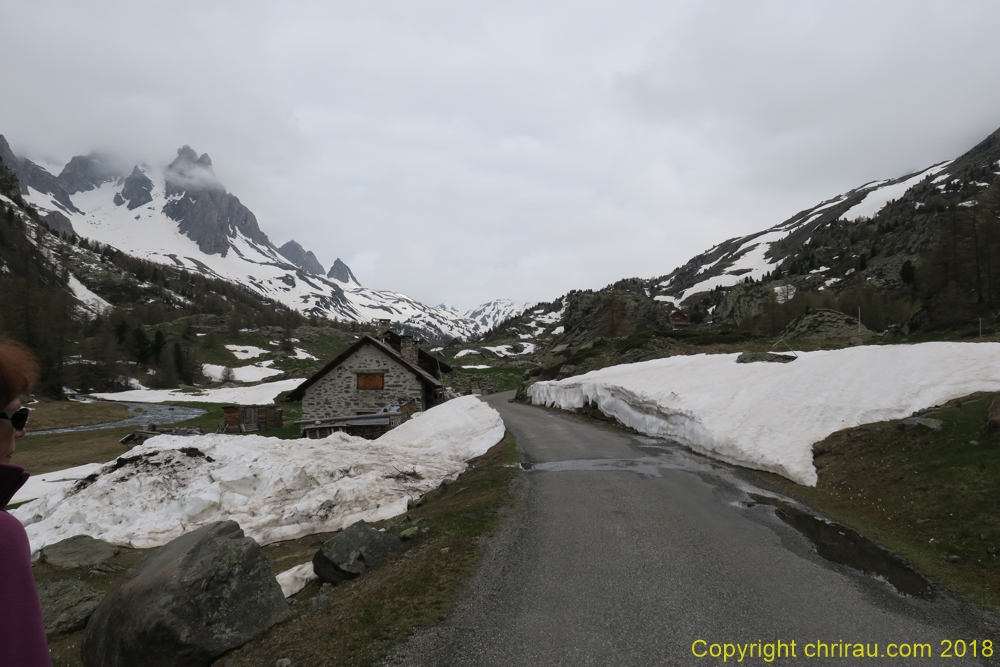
x,y
446,550
409,532
425,530
954,559
229,663
319,602
284,662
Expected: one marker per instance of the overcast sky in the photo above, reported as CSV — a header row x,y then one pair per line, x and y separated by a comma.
x,y
460,152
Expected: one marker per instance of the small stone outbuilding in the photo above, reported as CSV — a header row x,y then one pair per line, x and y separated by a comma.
x,y
366,379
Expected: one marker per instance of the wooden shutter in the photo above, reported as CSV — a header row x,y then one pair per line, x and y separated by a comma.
x,y
369,380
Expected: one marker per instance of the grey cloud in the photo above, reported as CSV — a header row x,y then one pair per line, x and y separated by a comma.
x,y
461,152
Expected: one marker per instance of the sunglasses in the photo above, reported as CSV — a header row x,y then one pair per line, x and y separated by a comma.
x,y
17,419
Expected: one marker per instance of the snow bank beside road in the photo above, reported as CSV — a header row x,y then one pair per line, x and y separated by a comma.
x,y
768,416
276,489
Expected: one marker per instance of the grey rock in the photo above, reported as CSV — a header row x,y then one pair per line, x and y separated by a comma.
x,y
66,605
283,662
187,603
207,214
341,272
565,371
754,357
300,257
30,174
138,189
824,324
926,422
954,559
78,551
319,602
118,199
993,416
353,551
86,172
59,223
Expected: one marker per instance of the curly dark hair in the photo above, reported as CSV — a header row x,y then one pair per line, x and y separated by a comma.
x,y
18,371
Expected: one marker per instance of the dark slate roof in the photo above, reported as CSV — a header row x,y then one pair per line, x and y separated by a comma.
x,y
422,375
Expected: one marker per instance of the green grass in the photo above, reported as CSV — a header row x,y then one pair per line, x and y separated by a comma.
x,y
923,494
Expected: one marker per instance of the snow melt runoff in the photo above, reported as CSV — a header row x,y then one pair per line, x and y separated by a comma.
x,y
276,489
767,415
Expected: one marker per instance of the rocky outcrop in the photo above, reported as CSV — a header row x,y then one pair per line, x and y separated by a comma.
x,y
86,172
138,189
353,551
756,357
59,223
824,324
31,175
302,258
66,605
78,551
185,604
342,273
205,212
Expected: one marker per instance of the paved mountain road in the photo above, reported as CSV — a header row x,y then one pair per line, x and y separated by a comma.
x,y
625,550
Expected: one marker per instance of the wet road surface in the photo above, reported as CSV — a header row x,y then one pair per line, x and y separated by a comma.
x,y
626,550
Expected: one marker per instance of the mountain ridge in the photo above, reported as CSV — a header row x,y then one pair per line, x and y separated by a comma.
x,y
182,215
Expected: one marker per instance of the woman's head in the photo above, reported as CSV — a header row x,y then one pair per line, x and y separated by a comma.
x,y
18,375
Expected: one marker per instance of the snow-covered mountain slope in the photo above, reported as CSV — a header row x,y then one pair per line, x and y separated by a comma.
x,y
492,313
892,244
181,215
762,254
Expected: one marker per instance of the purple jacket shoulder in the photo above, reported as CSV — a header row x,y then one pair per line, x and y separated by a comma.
x,y
22,631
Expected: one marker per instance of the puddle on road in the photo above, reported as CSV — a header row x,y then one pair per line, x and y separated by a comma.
x,y
839,544
834,542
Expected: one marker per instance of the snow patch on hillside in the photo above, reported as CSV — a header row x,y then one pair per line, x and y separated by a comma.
x,y
768,416
255,395
877,198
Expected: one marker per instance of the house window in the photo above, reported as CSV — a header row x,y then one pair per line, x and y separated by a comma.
x,y
369,380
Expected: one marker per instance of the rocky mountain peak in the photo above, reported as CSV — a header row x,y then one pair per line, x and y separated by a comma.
x,y
86,172
191,173
138,190
302,258
342,273
31,175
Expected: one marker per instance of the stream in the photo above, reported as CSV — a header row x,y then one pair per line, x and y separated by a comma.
x,y
143,414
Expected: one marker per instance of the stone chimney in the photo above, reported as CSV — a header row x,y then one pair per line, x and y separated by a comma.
x,y
408,349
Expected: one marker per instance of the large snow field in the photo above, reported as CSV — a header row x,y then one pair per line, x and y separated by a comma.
x,y
275,489
768,415
254,395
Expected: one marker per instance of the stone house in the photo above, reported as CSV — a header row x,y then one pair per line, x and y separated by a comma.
x,y
366,379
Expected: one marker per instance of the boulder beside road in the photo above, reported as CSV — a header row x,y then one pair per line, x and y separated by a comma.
x,y
66,605
205,593
78,551
352,551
